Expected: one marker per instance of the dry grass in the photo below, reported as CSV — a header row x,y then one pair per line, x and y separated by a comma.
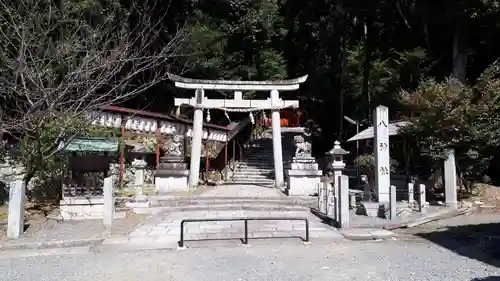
x,y
3,212
489,195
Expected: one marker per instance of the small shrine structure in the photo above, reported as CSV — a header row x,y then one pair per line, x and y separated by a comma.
x,y
150,134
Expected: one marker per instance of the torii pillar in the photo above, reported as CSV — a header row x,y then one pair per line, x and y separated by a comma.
x,y
199,102
277,146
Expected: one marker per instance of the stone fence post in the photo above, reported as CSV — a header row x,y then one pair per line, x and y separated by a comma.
x,y
411,195
322,195
109,203
450,180
343,218
15,219
422,198
393,203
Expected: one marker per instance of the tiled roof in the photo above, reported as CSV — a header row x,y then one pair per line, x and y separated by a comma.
x,y
369,133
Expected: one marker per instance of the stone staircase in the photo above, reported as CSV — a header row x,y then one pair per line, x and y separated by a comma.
x,y
257,166
158,204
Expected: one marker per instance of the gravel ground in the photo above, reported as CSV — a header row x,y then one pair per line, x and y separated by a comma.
x,y
476,235
394,260
44,230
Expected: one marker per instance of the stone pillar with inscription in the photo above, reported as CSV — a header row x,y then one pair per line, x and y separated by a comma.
x,y
304,176
381,151
450,179
172,173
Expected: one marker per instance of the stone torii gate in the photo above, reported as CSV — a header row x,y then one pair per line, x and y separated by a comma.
x,y
200,102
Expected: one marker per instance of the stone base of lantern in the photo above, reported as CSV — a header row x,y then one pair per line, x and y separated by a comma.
x,y
172,174
304,177
303,182
176,180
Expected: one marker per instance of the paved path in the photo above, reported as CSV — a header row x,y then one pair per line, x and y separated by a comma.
x,y
374,261
165,227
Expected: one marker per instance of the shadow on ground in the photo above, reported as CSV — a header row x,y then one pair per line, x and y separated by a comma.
x,y
489,278
478,241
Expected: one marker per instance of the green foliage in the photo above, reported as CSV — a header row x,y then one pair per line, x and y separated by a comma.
x,y
239,43
450,115
60,60
366,165
45,168
389,72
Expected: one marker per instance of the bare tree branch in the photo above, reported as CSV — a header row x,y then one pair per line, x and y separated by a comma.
x,y
59,61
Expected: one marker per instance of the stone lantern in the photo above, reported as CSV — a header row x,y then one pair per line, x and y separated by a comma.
x,y
139,166
339,190
337,158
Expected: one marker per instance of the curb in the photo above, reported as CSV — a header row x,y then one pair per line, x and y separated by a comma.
x,y
52,244
366,234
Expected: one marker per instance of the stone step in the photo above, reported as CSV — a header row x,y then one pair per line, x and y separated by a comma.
x,y
261,151
254,172
281,201
251,177
263,148
264,157
264,178
268,183
220,207
261,161
266,171
258,157
258,169
246,167
250,166
167,196
256,162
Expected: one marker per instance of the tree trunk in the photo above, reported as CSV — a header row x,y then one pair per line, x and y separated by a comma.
x,y
366,69
459,57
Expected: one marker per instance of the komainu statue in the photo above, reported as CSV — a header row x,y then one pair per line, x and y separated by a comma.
x,y
173,147
302,147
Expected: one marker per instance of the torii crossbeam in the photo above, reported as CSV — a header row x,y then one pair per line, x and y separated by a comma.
x,y
200,102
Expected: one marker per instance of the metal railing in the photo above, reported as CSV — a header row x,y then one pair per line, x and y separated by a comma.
x,y
245,239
